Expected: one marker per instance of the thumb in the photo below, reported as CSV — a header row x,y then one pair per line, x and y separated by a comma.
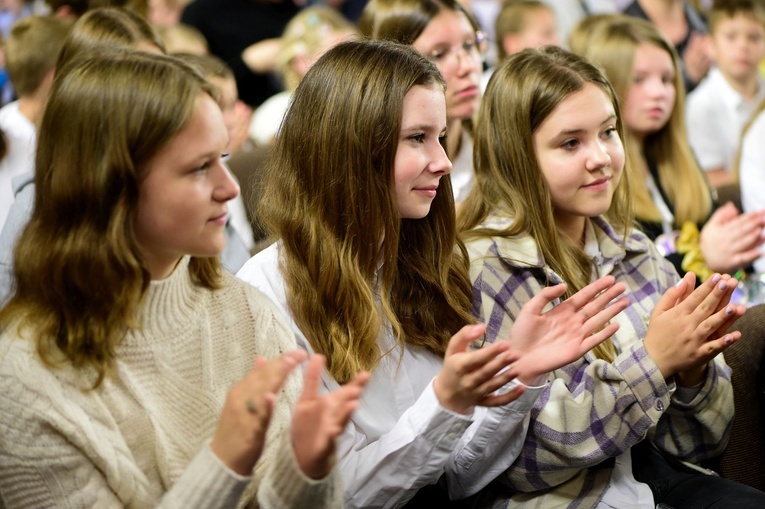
x,y
672,295
548,294
466,335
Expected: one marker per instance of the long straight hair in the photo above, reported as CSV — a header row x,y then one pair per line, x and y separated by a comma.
x,y
613,48
80,277
352,266
521,94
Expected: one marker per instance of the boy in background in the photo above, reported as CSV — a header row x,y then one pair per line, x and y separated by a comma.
x,y
725,100
522,24
31,52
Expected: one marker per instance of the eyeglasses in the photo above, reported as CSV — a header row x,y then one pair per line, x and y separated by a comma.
x,y
449,58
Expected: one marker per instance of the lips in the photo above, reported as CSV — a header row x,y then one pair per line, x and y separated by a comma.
x,y
429,191
471,91
221,219
599,184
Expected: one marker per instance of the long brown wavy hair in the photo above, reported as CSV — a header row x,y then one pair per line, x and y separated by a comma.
x,y
612,47
79,274
352,266
521,94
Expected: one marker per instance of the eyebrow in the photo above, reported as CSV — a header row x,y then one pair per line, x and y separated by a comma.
x,y
422,127
577,131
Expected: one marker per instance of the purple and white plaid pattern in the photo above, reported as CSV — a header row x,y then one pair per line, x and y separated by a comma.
x,y
592,411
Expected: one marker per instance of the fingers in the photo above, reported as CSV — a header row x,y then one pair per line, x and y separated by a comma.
x,y
713,347
345,400
312,376
466,335
594,290
272,373
723,214
548,294
486,358
676,293
594,340
716,292
736,313
600,302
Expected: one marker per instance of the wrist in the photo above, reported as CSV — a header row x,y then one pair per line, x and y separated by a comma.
x,y
316,467
692,378
448,400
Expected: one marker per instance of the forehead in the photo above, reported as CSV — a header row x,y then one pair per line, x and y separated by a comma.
x,y
424,107
650,56
743,21
585,108
446,27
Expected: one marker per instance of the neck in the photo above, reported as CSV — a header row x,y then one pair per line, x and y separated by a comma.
x,y
453,139
572,228
662,9
669,18
31,108
747,86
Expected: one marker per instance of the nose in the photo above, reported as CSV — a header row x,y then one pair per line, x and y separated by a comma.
x,y
226,187
598,158
657,87
439,162
465,61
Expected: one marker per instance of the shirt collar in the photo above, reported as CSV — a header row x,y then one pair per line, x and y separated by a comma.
x,y
522,250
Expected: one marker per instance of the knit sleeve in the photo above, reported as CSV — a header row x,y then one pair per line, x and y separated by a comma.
x,y
278,482
58,450
285,485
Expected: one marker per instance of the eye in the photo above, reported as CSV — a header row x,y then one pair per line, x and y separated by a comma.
x,y
637,80
571,144
418,138
610,132
203,168
437,55
667,79
469,46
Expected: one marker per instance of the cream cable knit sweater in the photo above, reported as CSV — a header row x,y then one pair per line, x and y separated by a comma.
x,y
142,439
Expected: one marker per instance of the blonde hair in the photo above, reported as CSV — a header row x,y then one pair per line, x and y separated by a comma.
x,y
513,18
307,33
182,38
521,94
580,35
80,277
352,267
613,47
114,26
32,49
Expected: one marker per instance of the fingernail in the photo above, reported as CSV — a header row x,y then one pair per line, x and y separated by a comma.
x,y
727,340
722,286
728,310
716,278
679,283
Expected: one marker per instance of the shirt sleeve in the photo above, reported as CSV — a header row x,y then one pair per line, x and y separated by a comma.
x,y
426,442
703,132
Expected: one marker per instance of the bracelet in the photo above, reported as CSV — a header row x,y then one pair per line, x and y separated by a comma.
x,y
688,246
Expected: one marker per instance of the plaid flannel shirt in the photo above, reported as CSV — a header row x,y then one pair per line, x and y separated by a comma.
x,y
592,410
